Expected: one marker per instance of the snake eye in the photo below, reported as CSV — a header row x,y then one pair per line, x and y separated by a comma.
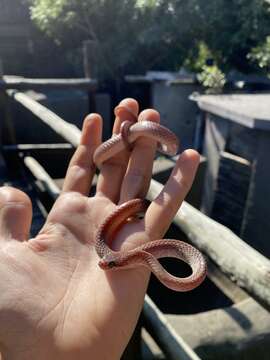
x,y
111,264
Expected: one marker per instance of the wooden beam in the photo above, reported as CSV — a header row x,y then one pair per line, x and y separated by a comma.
x,y
171,343
225,284
68,131
40,174
37,147
150,349
8,132
238,332
1,70
245,266
90,58
21,83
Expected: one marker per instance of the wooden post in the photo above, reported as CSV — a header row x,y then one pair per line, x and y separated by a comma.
x,y
90,64
1,70
9,137
90,59
7,133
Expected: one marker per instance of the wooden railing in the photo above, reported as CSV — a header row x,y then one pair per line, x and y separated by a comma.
x,y
21,83
68,131
247,268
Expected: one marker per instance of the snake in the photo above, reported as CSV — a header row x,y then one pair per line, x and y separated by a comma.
x,y
146,255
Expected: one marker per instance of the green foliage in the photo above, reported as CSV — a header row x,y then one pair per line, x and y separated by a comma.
x,y
230,28
212,78
137,35
111,24
146,3
198,57
261,55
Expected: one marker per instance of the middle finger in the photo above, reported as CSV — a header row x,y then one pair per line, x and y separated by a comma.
x,y
139,172
113,170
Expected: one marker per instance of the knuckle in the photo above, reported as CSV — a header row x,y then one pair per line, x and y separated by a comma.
x,y
185,184
72,200
136,177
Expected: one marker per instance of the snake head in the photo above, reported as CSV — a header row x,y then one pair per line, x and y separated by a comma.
x,y
107,263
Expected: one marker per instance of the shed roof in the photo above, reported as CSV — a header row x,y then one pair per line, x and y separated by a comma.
x,y
252,111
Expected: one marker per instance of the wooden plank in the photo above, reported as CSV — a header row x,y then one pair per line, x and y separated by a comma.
x,y
1,70
223,283
231,191
21,83
238,332
171,343
150,349
37,147
8,134
256,223
245,266
250,110
40,174
216,133
68,131
90,60
243,141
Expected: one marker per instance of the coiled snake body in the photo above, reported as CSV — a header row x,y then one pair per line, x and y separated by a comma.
x,y
149,253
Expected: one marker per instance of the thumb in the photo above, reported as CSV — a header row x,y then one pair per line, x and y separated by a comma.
x,y
15,214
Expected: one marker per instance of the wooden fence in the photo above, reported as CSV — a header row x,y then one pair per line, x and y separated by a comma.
x,y
231,260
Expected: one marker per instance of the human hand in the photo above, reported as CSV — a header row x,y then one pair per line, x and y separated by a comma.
x,y
56,303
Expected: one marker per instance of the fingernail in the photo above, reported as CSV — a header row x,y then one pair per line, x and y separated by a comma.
x,y
129,106
120,109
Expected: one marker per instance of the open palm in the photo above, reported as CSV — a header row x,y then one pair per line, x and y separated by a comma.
x,y
55,302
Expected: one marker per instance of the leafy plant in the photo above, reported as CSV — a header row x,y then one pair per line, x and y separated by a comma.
x,y
261,55
198,57
139,35
212,78
110,24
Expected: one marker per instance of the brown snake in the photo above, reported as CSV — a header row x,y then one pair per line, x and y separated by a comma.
x,y
147,254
